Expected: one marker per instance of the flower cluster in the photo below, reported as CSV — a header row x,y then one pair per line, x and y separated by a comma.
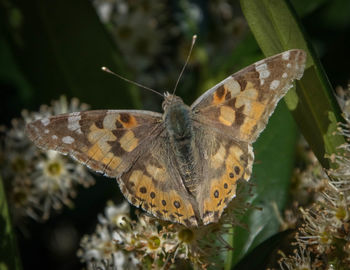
x,y
325,229
149,243
323,238
120,243
141,30
300,260
150,34
38,181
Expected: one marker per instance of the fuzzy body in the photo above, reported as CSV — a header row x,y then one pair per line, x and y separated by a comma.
x,y
179,126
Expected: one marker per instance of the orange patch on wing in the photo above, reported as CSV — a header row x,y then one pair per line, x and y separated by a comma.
x,y
236,152
249,85
99,138
128,141
100,135
233,164
176,206
221,193
247,127
111,161
257,110
95,152
219,95
227,115
250,122
223,189
164,205
127,120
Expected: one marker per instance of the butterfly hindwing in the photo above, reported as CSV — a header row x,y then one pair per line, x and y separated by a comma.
x,y
225,162
241,104
107,141
154,184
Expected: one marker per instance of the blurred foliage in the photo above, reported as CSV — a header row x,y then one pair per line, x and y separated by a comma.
x,y
49,48
9,255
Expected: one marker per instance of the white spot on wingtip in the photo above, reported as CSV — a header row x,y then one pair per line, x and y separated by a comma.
x,y
68,140
284,75
263,71
274,84
45,121
285,55
73,122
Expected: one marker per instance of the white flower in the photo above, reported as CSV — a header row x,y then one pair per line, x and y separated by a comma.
x,y
38,181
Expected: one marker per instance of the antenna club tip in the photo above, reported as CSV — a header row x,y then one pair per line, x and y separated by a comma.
x,y
106,69
194,37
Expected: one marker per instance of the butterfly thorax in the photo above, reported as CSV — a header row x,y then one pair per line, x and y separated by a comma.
x,y
179,126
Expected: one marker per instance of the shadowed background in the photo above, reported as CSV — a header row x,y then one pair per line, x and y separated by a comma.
x,y
54,48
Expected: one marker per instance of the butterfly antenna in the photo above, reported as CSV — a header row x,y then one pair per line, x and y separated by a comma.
x,y
130,81
188,58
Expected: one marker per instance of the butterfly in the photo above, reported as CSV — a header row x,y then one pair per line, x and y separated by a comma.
x,y
182,165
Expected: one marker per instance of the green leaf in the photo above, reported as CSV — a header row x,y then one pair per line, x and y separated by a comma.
x,y
313,105
303,7
9,255
272,170
60,46
260,256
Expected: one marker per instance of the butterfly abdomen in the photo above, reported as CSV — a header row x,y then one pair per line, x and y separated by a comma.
x,y
179,126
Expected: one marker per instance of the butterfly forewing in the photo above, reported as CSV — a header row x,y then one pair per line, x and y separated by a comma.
x,y
107,141
242,104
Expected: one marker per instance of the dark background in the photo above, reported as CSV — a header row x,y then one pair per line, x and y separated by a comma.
x,y
50,48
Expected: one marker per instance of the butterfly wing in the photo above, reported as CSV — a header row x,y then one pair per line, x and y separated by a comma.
x,y
129,145
231,115
107,141
155,184
241,104
224,161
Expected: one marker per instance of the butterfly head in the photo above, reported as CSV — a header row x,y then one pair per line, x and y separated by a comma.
x,y
170,100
